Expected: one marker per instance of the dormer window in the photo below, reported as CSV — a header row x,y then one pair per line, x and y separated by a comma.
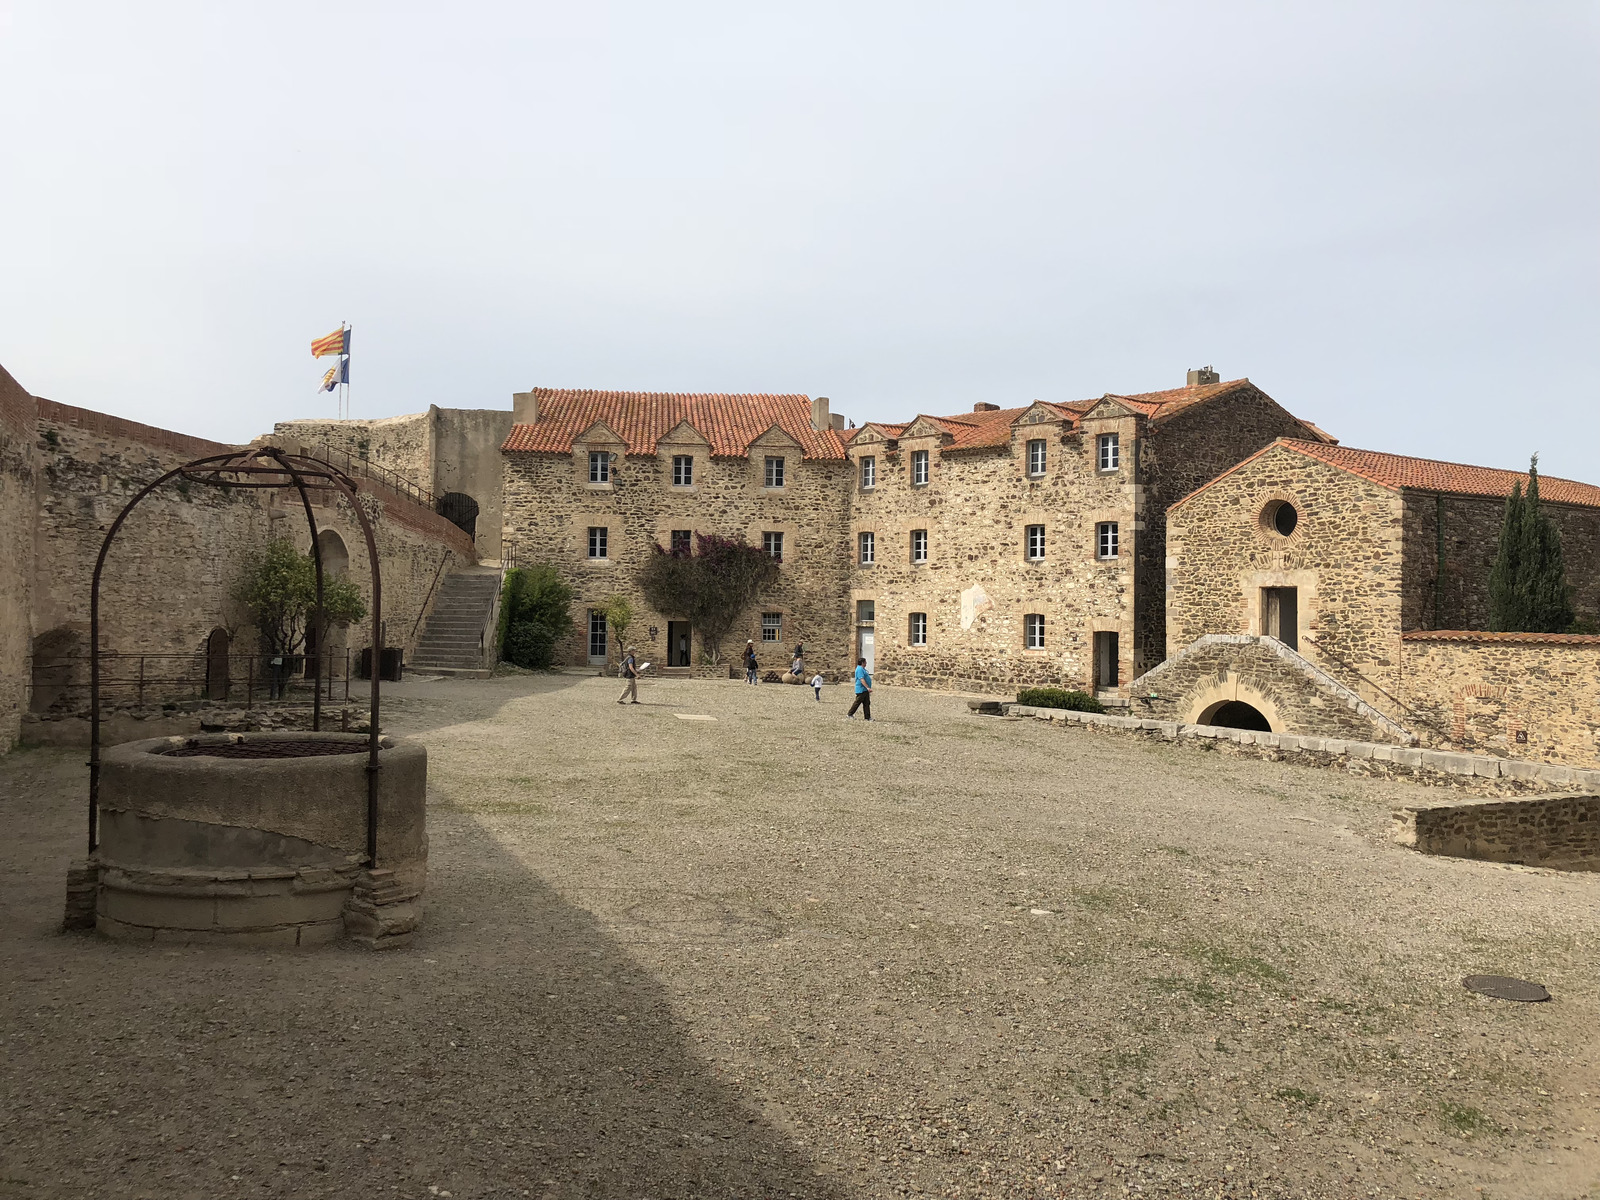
x,y
682,470
869,472
1036,457
919,468
774,473
1110,451
600,466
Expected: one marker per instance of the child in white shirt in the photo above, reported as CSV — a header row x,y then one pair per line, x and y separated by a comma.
x,y
816,685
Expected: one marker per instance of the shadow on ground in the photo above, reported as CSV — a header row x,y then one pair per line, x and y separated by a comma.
x,y
513,1050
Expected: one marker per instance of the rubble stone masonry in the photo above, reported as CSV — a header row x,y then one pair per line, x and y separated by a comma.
x,y
16,552
550,506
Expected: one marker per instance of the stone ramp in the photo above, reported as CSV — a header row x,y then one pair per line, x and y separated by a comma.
x,y
455,640
1293,693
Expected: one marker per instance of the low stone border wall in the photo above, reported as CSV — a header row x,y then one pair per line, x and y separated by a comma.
x,y
1480,773
1562,832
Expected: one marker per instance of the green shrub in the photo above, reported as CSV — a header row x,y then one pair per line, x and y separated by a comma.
x,y
535,615
1049,697
529,644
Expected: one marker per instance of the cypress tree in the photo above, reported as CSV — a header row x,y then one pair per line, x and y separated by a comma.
x,y
1528,585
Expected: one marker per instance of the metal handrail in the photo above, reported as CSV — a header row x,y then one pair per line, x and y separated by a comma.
x,y
423,611
392,480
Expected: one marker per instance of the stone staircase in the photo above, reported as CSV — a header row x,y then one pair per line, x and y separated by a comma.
x,y
450,640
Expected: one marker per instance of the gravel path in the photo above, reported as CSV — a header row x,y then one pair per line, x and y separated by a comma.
x,y
779,953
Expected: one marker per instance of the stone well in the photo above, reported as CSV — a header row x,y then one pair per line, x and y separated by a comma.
x,y
259,839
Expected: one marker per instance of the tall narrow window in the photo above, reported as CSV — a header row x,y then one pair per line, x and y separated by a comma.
x,y
682,542
869,549
772,627
919,545
869,472
919,467
599,466
599,535
1110,451
1106,539
1033,631
682,470
772,543
597,634
1036,457
919,629
1035,542
774,471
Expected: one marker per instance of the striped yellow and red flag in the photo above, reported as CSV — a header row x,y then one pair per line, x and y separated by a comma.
x,y
337,342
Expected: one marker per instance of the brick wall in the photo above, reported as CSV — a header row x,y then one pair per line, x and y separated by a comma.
x,y
17,410
549,507
1523,696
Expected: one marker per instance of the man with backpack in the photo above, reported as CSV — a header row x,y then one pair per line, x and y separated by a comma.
x,y
630,672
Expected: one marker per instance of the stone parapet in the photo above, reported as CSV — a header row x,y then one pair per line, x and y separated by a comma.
x,y
1561,831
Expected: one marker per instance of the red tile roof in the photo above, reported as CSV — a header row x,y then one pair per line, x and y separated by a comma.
x,y
729,422
1397,471
1526,639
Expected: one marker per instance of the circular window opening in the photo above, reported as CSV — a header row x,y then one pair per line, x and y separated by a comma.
x,y
1280,517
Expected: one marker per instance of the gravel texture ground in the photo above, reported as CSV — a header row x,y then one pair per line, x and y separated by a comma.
x,y
778,953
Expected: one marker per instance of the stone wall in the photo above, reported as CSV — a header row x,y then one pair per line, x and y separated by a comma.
x,y
976,508
1343,558
1562,832
466,448
17,410
402,444
1525,696
550,506
169,578
1452,591
1178,455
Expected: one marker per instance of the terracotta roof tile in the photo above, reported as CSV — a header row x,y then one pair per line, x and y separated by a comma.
x,y
1526,639
1430,475
729,422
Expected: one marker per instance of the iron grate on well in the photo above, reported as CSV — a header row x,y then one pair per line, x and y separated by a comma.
x,y
1503,987
275,748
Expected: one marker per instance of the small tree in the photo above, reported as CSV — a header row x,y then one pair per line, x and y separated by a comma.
x,y
619,616
279,589
1528,583
710,587
535,614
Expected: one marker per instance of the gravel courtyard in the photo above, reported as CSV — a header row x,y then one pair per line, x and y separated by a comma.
x,y
778,953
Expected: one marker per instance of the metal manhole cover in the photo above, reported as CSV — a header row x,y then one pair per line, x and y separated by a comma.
x,y
1503,987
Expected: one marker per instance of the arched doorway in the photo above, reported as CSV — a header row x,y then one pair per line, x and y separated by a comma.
x,y
59,667
217,679
335,565
335,557
1235,714
461,510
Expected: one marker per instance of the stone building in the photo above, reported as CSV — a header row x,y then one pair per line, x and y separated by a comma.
x,y
596,481
1027,546
1371,571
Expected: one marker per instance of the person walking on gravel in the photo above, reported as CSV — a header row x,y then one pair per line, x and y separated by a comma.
x,y
751,667
630,672
863,692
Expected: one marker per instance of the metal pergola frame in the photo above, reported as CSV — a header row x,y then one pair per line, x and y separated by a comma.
x,y
260,467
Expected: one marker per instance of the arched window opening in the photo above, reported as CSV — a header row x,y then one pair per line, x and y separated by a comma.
x,y
335,557
1235,714
461,510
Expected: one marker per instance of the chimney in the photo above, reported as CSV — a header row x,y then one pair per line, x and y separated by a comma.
x,y
819,414
837,421
1203,375
981,406
524,408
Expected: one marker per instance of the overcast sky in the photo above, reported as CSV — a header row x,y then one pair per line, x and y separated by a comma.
x,y
1385,214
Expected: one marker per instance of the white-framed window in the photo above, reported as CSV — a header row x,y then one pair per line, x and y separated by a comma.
x,y
597,633
919,545
1110,451
682,542
1033,631
869,472
772,543
599,466
774,471
772,627
919,468
869,549
1036,456
1035,542
682,470
1105,537
599,536
918,629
